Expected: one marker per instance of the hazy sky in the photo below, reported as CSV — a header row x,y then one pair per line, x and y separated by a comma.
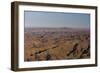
x,y
56,19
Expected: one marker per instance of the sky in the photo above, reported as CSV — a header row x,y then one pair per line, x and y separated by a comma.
x,y
56,19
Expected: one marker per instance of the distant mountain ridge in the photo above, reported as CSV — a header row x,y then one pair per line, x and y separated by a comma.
x,y
54,29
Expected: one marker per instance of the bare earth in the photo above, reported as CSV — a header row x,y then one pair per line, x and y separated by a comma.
x,y
42,44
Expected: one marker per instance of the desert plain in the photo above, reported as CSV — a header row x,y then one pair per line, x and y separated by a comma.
x,y
43,44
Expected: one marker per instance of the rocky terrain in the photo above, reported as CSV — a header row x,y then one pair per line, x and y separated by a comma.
x,y
56,44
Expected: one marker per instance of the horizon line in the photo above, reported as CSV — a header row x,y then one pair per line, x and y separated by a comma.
x,y
60,27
